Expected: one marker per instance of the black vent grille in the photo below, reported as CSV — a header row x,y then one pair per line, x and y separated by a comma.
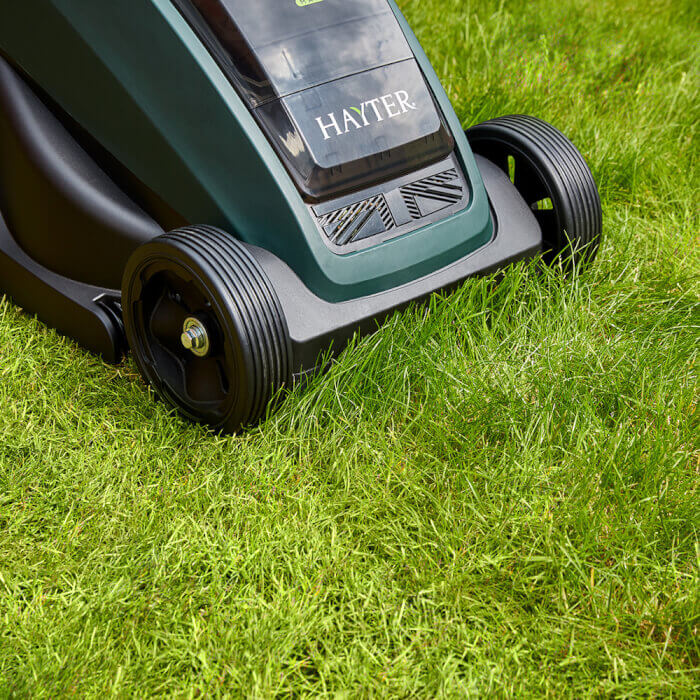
x,y
432,194
392,209
358,221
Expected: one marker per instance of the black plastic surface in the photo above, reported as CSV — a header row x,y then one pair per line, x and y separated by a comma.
x,y
202,272
89,314
61,207
394,208
553,178
316,325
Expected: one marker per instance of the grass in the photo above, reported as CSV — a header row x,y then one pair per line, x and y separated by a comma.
x,y
497,497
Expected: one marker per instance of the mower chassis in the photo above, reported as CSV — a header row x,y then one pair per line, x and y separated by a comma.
x,y
92,315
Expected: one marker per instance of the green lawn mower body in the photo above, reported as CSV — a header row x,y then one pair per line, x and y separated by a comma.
x,y
304,158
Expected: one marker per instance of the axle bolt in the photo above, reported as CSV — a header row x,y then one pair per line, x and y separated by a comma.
x,y
195,337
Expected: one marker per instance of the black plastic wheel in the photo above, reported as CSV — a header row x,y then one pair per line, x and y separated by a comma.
x,y
553,178
206,327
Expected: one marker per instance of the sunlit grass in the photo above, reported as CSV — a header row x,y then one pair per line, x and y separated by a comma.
x,y
496,496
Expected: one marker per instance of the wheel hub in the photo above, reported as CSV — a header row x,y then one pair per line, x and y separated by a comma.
x,y
195,337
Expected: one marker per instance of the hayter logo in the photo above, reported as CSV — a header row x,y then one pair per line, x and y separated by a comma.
x,y
304,3
371,112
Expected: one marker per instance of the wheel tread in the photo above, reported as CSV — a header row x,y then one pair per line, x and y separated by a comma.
x,y
260,321
582,211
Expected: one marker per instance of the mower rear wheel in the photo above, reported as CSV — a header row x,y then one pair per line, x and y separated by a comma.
x,y
552,177
206,327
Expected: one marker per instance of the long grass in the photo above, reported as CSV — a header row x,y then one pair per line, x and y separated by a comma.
x,y
496,496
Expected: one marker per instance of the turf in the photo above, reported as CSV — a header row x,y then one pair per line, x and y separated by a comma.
x,y
498,496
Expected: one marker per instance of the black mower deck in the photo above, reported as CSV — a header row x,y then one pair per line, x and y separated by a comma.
x,y
92,315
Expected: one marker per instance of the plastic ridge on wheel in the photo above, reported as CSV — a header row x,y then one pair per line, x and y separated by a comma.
x,y
205,326
553,178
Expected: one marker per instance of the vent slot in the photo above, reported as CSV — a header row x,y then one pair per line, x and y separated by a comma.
x,y
392,209
427,196
358,221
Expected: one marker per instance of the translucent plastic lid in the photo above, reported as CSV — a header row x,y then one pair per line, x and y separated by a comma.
x,y
333,83
278,47
355,131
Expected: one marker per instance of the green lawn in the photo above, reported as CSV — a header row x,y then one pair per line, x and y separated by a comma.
x,y
498,497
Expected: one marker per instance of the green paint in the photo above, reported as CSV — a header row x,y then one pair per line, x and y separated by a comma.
x,y
203,182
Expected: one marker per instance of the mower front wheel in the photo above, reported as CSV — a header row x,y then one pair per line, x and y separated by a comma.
x,y
205,327
554,180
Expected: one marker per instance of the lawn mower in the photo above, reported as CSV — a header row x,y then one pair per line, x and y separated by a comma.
x,y
232,189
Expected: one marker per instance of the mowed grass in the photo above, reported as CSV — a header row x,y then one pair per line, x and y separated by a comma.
x,y
498,496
